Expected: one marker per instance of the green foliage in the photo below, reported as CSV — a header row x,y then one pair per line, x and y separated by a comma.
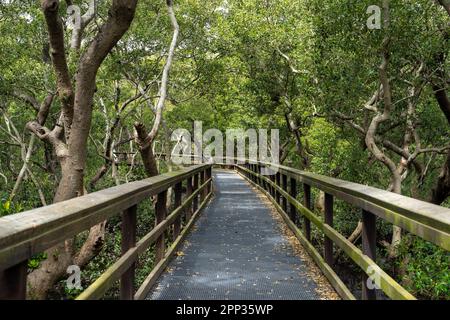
x,y
427,272
35,261
5,208
71,294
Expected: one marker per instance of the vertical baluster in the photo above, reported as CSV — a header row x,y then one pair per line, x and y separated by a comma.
x,y
128,230
262,181
208,176
284,186
258,171
274,180
266,183
293,193
369,238
206,179
161,212
195,187
271,189
204,191
278,183
189,191
307,203
178,189
328,243
261,178
13,282
247,174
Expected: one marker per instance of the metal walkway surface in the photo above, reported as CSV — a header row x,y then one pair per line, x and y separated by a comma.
x,y
236,251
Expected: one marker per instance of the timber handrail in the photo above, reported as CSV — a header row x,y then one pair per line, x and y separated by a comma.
x,y
28,233
428,221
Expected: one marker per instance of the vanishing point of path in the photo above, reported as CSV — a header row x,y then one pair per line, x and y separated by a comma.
x,y
236,251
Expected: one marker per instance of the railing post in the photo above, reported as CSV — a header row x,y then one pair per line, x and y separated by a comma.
x,y
128,230
284,187
258,171
189,191
369,238
204,191
209,176
194,188
261,180
293,193
307,203
161,212
277,193
178,189
247,174
13,282
271,188
328,243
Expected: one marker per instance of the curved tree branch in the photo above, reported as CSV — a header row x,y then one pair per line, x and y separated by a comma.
x,y
144,140
57,50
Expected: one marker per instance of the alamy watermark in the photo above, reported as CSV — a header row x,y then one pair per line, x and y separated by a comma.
x,y
374,278
74,21
74,280
212,147
374,20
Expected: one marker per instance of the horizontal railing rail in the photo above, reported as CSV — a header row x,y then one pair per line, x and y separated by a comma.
x,y
26,234
428,221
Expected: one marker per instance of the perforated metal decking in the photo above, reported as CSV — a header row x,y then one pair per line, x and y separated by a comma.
x,y
236,251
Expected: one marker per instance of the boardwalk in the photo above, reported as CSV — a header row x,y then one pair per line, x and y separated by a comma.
x,y
236,251
237,248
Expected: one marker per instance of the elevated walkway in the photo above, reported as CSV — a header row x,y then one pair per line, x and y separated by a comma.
x,y
236,251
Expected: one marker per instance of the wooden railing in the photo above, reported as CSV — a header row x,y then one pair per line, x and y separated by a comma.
x,y
428,221
26,234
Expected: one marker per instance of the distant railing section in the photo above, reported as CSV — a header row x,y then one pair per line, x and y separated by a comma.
x,y
25,234
428,221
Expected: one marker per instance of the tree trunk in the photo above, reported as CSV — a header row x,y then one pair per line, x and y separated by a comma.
x,y
92,246
441,191
69,139
370,140
146,150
